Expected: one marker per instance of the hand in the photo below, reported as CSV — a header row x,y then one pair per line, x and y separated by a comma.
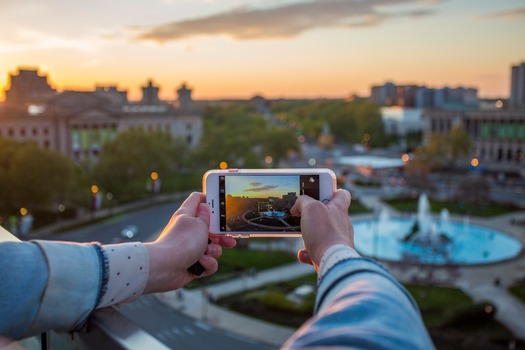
x,y
183,242
323,225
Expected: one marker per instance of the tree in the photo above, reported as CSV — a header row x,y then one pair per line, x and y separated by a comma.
x,y
126,162
445,151
349,121
233,134
35,178
279,142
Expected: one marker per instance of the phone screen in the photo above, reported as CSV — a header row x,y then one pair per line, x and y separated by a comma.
x,y
262,202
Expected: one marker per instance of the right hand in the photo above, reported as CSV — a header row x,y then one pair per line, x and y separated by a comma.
x,y
323,225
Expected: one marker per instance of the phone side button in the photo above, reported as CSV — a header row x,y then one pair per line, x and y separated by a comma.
x,y
233,170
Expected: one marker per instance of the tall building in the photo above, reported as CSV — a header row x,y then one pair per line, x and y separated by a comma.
x,y
517,86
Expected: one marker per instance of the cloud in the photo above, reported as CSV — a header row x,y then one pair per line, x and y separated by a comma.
x,y
261,189
513,14
286,21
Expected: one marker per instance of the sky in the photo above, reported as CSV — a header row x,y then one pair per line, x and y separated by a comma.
x,y
261,186
275,48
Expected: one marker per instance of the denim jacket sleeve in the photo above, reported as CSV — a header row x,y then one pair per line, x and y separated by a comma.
x,y
46,285
360,305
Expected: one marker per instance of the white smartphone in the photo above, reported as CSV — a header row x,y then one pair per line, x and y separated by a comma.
x,y
256,202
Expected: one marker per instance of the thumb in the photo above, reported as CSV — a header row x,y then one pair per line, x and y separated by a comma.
x,y
203,213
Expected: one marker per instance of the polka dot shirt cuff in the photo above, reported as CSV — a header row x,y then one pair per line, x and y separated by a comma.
x,y
333,255
128,273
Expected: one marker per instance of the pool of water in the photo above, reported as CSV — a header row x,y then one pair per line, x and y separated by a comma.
x,y
470,244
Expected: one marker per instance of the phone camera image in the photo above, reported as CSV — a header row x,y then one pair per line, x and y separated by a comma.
x,y
251,203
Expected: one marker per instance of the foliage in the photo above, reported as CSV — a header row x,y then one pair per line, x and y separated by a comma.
x,y
241,137
279,142
417,173
434,301
357,207
455,207
447,151
35,178
353,122
125,163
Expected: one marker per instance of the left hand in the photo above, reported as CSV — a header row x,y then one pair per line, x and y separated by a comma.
x,y
183,242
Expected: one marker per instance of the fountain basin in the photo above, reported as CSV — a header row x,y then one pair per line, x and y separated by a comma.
x,y
469,244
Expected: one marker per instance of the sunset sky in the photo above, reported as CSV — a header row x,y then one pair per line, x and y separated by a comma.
x,y
261,186
277,48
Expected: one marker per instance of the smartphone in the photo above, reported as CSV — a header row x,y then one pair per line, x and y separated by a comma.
x,y
256,202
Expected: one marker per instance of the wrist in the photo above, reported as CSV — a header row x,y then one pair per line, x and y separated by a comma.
x,y
333,255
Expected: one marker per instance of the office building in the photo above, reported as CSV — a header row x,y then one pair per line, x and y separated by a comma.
x,y
517,86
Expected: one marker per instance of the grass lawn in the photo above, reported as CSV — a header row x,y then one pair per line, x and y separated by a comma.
x,y
356,207
238,260
454,207
453,320
518,291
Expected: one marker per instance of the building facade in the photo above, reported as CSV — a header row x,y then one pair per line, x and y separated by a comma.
x,y
498,136
77,123
413,96
517,86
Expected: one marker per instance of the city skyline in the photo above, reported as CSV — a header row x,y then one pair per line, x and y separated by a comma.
x,y
280,48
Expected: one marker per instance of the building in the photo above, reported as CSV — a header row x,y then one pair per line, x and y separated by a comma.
x,y
498,136
517,86
402,120
77,123
414,96
28,87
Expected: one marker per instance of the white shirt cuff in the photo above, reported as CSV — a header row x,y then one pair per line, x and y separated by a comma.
x,y
333,255
128,273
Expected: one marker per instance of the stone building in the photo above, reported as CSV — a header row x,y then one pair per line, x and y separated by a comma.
x,y
76,123
498,136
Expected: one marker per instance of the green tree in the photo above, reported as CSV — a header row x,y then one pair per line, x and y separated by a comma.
x,y
450,150
126,163
350,122
233,134
35,178
279,142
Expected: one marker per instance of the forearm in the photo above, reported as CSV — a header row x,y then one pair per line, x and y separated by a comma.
x,y
56,285
360,305
46,286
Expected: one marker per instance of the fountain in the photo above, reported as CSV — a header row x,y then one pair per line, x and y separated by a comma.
x,y
424,239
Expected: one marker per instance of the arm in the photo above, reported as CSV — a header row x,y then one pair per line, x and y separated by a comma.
x,y
359,304
56,285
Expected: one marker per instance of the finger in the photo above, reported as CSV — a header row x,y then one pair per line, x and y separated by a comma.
x,y
203,213
190,205
214,250
341,199
224,241
210,264
228,242
300,204
304,257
